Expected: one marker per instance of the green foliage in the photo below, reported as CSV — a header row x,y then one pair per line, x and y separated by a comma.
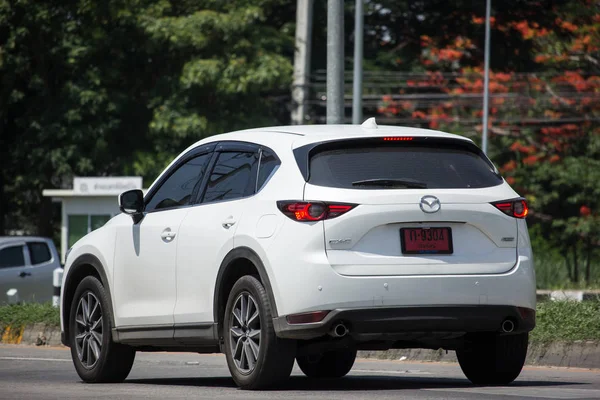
x,y
552,267
29,313
560,193
552,272
227,90
567,321
228,64
106,88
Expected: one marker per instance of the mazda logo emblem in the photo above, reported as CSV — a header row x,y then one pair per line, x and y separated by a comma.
x,y
430,204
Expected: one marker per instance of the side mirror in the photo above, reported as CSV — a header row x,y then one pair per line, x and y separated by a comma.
x,y
131,203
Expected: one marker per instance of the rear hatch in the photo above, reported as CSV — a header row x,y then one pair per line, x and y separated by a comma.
x,y
423,207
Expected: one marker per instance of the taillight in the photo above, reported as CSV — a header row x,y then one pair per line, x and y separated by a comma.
x,y
517,208
313,210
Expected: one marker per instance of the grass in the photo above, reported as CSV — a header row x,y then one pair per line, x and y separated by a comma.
x,y
567,321
556,320
29,313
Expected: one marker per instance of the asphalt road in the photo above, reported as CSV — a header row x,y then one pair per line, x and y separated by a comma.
x,y
42,373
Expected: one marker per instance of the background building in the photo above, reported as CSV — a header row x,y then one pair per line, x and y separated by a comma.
x,y
89,205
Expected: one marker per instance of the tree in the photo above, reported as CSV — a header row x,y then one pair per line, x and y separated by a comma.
x,y
64,107
105,88
227,65
563,165
544,125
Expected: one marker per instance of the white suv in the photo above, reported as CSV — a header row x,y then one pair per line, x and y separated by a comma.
x,y
309,243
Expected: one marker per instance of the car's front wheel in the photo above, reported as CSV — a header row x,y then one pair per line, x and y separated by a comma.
x,y
331,364
494,359
256,357
95,356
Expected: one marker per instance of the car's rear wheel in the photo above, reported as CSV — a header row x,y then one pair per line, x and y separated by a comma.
x,y
494,359
95,356
256,357
331,364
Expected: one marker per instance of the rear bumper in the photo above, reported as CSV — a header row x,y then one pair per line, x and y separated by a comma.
x,y
367,324
300,286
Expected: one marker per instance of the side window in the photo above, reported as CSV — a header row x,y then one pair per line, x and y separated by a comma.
x,y
268,165
39,252
12,257
181,186
233,177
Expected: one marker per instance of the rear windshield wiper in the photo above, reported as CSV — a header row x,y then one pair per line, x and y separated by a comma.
x,y
406,182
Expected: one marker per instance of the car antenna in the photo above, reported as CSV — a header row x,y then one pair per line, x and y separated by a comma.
x,y
369,124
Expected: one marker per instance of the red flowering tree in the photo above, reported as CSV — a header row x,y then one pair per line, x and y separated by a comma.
x,y
544,127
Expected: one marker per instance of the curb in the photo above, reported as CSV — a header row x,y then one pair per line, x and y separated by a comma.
x,y
573,295
579,354
36,334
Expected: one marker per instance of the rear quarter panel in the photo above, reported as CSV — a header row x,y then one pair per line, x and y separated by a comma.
x,y
263,221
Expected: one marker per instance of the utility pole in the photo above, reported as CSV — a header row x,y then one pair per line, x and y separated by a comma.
x,y
486,77
304,14
358,61
335,61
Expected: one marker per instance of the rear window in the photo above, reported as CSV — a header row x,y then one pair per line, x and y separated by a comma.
x,y
394,166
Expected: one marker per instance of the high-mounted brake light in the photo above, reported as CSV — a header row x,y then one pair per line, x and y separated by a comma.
x,y
313,211
517,208
397,138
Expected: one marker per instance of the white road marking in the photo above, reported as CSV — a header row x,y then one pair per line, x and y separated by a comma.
x,y
523,391
34,359
385,371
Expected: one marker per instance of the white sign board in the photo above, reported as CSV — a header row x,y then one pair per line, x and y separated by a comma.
x,y
106,185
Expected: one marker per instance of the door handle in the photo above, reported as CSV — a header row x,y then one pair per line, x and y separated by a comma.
x,y
23,274
228,223
167,235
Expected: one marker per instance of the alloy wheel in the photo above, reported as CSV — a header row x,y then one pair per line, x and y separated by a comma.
x,y
88,323
245,333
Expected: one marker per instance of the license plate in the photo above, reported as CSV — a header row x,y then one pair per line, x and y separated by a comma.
x,y
426,240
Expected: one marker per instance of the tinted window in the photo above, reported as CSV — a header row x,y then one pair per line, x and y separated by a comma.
x,y
12,257
181,186
39,253
268,165
436,166
233,177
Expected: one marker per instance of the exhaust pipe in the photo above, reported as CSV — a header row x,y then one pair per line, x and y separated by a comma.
x,y
339,331
508,326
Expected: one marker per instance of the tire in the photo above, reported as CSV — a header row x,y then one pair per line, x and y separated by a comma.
x,y
494,359
331,364
256,357
96,357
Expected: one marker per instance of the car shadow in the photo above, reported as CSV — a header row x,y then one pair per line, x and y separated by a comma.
x,y
348,383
